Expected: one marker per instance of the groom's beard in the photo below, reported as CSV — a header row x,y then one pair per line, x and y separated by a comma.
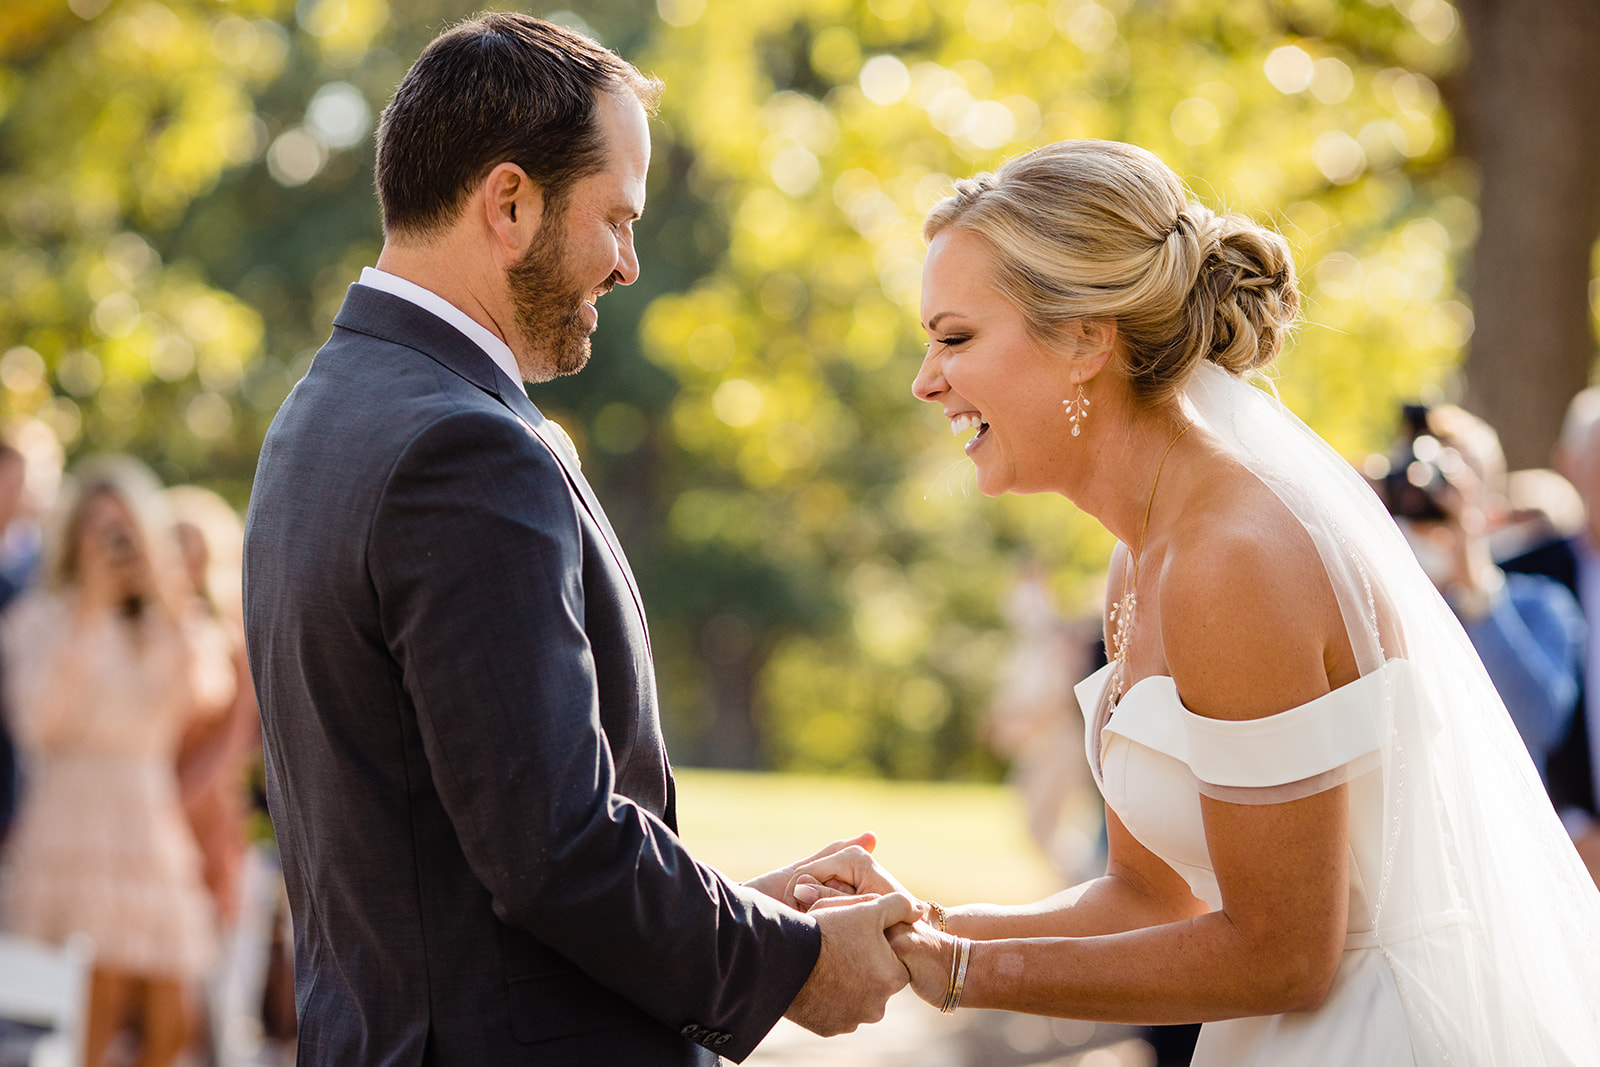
x,y
548,307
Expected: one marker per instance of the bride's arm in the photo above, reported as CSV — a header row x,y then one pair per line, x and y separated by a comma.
x,y
1247,624
1137,890
1273,948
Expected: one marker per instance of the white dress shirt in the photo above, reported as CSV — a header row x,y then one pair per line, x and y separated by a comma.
x,y
428,300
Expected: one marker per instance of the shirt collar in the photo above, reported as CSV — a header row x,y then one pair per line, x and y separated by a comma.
x,y
430,301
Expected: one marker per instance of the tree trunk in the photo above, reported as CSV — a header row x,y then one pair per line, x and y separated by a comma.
x,y
1531,121
728,651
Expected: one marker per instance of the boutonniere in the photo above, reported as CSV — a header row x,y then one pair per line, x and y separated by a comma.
x,y
566,442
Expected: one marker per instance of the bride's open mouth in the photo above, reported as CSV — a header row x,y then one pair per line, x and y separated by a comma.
x,y
970,420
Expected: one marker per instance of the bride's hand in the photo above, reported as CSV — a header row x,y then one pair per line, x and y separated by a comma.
x,y
927,955
780,884
847,871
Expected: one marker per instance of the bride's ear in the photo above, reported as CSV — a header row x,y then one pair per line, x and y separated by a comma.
x,y
1090,343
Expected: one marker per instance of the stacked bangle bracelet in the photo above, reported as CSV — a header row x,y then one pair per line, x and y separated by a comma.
x,y
958,975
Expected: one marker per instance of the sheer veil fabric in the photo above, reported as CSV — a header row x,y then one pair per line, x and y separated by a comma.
x,y
1484,913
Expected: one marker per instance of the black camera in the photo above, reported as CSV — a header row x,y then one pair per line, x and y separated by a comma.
x,y
1414,476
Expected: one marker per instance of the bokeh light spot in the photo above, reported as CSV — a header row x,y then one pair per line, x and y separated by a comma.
x,y
1289,69
885,80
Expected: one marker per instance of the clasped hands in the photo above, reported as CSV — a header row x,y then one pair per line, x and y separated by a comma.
x,y
876,937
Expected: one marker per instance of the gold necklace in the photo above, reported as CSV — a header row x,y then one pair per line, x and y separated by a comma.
x,y
1122,612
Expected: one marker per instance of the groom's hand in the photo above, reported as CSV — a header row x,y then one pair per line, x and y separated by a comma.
x,y
856,972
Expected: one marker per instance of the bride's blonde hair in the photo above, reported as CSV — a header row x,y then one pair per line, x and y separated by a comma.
x,y
1100,229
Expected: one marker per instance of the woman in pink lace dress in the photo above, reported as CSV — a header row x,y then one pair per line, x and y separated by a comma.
x,y
106,665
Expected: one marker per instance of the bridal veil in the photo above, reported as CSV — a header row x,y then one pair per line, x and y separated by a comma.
x,y
1484,912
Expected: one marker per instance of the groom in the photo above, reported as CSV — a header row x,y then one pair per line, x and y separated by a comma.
x,y
464,759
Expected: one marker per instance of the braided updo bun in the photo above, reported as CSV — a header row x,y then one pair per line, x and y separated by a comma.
x,y
1100,229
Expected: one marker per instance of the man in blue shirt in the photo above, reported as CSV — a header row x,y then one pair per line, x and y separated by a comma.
x,y
1527,628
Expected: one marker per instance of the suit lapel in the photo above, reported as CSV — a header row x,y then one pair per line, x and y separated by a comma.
x,y
392,318
553,439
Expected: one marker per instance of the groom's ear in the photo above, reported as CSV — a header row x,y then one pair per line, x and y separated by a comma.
x,y
513,209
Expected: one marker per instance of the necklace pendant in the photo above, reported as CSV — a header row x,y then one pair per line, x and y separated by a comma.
x,y
1122,632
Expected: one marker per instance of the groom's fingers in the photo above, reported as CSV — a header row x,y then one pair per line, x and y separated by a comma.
x,y
832,898
896,908
892,909
856,972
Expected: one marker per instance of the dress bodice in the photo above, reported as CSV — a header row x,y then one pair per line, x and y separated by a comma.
x,y
1153,759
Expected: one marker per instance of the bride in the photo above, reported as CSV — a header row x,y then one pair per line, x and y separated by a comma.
x,y
1326,840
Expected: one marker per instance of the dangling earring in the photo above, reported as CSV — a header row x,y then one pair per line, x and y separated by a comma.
x,y
1077,410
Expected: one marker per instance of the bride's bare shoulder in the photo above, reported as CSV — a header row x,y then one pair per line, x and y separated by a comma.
x,y
1247,610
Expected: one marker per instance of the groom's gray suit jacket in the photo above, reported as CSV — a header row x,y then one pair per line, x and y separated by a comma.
x,y
464,760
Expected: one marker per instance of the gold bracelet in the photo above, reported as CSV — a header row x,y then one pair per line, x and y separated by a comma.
x,y
958,975
940,916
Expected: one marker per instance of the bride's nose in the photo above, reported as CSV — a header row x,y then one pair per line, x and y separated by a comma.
x,y
929,382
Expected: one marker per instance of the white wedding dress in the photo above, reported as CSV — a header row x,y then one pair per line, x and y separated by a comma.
x,y
1473,928
1153,753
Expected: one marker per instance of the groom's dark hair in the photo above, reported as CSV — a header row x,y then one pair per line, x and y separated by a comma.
x,y
498,88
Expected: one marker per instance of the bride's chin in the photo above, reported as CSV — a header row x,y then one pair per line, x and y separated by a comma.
x,y
990,484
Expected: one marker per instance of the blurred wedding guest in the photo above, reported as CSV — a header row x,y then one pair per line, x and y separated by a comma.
x,y
1034,719
13,470
1574,561
105,671
1445,484
13,473
28,485
1544,507
30,472
217,751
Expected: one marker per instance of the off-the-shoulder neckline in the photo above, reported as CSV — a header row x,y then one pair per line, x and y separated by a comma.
x,y
1173,686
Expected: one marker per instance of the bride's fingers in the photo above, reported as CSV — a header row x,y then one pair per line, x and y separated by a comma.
x,y
809,895
866,840
851,866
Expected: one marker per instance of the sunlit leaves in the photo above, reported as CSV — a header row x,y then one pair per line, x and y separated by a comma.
x,y
827,132
344,29
120,115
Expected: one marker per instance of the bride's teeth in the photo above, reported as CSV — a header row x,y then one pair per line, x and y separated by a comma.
x,y
961,423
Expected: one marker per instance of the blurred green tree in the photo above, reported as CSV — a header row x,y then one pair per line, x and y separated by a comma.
x,y
114,118
825,129
185,191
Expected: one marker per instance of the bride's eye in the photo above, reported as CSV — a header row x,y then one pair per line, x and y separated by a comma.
x,y
953,341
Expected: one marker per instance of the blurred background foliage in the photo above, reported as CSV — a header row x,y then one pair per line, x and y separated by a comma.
x,y
186,194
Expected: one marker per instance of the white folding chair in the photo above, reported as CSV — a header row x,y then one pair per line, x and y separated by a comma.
x,y
235,990
47,987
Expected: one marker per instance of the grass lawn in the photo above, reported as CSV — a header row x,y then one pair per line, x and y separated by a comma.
x,y
945,841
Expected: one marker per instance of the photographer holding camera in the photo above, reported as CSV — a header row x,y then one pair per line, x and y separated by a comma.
x,y
1444,484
